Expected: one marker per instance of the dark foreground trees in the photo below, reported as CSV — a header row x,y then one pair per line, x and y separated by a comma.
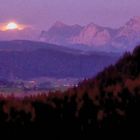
x,y
111,101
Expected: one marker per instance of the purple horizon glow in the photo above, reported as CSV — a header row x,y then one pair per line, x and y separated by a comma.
x,y
42,14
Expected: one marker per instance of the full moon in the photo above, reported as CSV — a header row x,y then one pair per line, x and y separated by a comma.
x,y
11,26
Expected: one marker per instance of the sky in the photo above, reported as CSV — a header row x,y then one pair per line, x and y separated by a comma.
x,y
42,14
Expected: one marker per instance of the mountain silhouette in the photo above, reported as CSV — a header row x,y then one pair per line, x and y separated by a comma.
x,y
95,36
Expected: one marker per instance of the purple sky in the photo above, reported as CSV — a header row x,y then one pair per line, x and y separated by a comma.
x,y
43,13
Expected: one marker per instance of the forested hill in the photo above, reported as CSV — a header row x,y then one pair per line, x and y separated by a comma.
x,y
21,59
127,67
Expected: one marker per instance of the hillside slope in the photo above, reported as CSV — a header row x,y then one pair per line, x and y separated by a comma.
x,y
27,60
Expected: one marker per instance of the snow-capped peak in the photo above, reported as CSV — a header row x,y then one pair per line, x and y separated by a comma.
x,y
133,23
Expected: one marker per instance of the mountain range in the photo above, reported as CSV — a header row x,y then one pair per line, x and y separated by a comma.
x,y
89,37
94,36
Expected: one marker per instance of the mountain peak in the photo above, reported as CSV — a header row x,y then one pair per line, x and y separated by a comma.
x,y
77,26
136,18
59,24
133,21
131,27
92,25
